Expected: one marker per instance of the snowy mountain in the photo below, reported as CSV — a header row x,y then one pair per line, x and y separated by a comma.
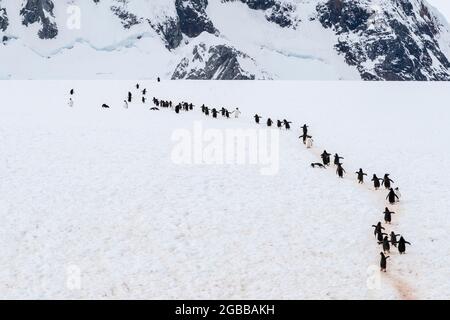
x,y
224,39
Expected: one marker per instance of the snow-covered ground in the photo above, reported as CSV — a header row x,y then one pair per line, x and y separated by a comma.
x,y
92,206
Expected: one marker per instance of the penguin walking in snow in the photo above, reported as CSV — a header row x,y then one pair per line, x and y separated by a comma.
x,y
361,175
378,229
143,99
383,261
392,197
227,114
257,118
137,86
325,158
394,236
340,171
305,129
376,181
214,113
337,159
269,122
159,79
279,124
177,108
402,245
386,245
72,92
129,97
387,181
387,215
287,124
144,92
309,142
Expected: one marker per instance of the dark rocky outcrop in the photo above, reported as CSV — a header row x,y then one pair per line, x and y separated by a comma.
x,y
40,11
193,18
398,49
219,62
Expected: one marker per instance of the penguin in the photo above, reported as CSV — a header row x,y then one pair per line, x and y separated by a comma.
x,y
376,181
305,129
227,114
387,181
402,245
337,159
385,243
137,86
378,228
279,124
143,99
125,104
287,124
387,215
340,171
207,111
269,122
309,142
72,92
159,79
177,108
129,97
257,118
105,106
391,197
191,106
361,175
214,113
325,158
394,238
144,92
383,261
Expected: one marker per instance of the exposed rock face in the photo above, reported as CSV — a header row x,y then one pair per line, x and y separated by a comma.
x,y
4,22
170,31
128,19
394,42
219,62
40,11
276,11
193,17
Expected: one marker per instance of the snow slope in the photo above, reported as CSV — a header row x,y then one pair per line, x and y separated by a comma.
x,y
95,191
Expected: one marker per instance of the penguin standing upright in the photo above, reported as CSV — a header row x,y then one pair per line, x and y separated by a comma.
x,y
337,159
394,238
383,261
72,92
269,122
376,181
214,112
392,196
305,129
287,124
387,215
279,124
361,175
378,229
387,181
129,96
340,171
397,192
402,245
385,243
143,99
257,118
325,158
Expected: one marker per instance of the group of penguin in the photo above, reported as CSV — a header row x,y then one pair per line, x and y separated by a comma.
x,y
393,196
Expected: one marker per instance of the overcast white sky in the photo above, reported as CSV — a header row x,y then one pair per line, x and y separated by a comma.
x,y
443,6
